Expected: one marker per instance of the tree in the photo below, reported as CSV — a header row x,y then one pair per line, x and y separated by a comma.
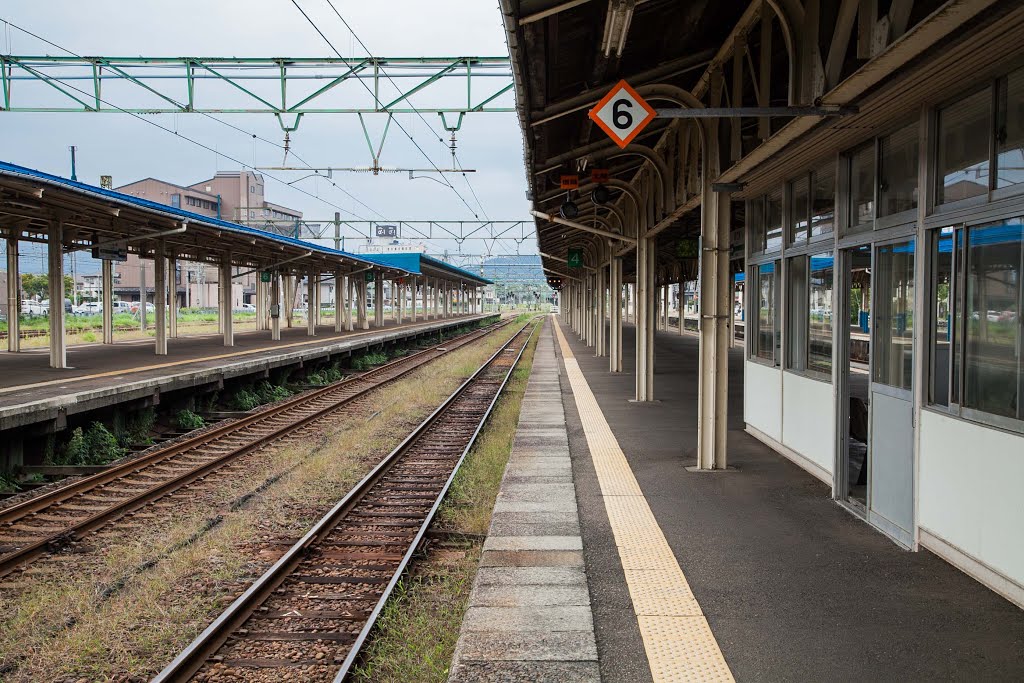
x,y
34,285
38,285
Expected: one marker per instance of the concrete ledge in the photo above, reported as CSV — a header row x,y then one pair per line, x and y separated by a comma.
x,y
529,615
180,377
973,567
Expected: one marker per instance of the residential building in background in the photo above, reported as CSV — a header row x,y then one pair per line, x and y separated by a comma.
x,y
233,196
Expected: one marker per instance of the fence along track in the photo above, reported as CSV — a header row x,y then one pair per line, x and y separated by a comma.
x,y
307,617
44,523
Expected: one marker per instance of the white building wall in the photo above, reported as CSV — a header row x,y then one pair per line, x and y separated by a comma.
x,y
809,419
762,399
969,497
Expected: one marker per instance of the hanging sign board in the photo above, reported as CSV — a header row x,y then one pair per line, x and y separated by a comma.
x,y
622,114
569,182
599,175
369,276
265,276
111,252
575,259
387,230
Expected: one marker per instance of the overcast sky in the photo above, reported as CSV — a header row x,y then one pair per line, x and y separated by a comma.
x,y
129,149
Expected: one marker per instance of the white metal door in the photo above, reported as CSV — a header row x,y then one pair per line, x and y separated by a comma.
x,y
891,453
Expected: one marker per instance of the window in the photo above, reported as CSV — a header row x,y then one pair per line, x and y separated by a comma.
x,y
1010,131
893,315
796,313
252,189
809,319
823,199
862,188
799,205
897,175
978,364
963,148
819,341
773,220
766,340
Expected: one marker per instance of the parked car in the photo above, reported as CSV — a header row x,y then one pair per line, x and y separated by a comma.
x,y
89,308
29,307
150,308
247,308
121,306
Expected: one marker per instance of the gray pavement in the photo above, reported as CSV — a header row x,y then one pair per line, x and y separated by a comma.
x,y
529,616
794,587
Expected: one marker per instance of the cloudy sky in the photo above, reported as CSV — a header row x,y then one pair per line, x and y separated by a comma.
x,y
129,149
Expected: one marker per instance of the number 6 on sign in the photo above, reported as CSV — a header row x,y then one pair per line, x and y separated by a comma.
x,y
622,114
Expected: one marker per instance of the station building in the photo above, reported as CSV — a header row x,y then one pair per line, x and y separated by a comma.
x,y
859,167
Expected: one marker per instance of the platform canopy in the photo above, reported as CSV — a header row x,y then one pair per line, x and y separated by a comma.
x,y
32,201
416,263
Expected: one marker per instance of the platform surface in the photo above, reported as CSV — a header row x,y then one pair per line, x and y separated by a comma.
x,y
791,586
28,384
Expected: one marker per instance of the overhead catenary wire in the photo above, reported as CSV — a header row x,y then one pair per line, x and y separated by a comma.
x,y
430,127
250,134
396,121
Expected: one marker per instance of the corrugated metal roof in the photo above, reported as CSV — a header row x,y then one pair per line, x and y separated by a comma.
x,y
86,189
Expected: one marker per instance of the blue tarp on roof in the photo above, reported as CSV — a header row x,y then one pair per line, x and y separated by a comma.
x,y
84,188
410,261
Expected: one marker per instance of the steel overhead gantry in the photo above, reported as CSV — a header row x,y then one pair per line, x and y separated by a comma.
x,y
288,87
335,228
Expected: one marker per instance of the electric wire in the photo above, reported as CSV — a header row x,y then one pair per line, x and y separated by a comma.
x,y
250,134
396,121
430,127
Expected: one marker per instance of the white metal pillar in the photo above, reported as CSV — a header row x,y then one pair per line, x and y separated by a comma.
x,y
311,303
615,322
160,297
339,300
602,286
646,309
261,303
55,262
275,307
664,307
378,301
715,313
225,300
362,289
14,293
426,289
107,299
172,296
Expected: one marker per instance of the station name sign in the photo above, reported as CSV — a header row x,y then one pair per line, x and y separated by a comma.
x,y
113,251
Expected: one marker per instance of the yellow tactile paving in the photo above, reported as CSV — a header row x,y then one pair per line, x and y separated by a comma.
x,y
677,639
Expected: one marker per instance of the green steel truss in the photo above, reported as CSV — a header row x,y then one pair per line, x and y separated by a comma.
x,y
286,87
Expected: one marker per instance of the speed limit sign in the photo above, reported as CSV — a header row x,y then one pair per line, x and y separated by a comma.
x,y
622,114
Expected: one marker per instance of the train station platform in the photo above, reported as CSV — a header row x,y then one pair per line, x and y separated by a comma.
x,y
105,374
753,574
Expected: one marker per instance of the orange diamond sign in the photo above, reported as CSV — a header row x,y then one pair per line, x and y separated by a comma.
x,y
622,114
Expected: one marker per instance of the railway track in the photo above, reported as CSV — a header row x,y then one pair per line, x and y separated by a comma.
x,y
45,523
307,617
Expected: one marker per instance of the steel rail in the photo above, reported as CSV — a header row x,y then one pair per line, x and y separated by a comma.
x,y
13,559
190,660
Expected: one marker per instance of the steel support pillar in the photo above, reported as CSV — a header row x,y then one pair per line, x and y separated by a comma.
x,y
426,289
224,286
646,307
600,348
160,297
14,294
107,299
310,303
363,291
664,307
55,263
615,324
261,303
172,296
339,301
715,314
378,301
275,306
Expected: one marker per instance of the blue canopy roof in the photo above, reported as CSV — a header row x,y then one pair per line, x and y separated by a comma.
x,y
14,170
412,262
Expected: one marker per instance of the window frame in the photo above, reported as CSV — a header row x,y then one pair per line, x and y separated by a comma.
x,y
958,294
876,223
753,305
